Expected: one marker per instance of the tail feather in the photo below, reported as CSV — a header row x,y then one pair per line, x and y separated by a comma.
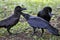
x,y
54,31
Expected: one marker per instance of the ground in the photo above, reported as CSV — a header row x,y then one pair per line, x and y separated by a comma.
x,y
27,34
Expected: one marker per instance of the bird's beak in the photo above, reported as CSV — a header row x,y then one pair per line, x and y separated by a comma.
x,y
54,14
51,14
24,9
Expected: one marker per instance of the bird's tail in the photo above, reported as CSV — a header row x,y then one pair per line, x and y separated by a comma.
x,y
54,31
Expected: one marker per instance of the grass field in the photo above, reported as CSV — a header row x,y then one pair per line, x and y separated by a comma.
x,y
33,7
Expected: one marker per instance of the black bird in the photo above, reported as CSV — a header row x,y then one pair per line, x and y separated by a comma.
x,y
45,14
38,22
12,20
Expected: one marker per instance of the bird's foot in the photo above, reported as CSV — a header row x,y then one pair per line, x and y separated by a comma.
x,y
34,33
37,33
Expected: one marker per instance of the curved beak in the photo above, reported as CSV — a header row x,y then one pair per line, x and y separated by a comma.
x,y
54,14
50,14
24,9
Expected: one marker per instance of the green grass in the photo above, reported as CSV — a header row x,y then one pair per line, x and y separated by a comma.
x,y
32,6
20,27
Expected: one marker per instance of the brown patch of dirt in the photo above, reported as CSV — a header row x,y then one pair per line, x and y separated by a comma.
x,y
20,36
53,22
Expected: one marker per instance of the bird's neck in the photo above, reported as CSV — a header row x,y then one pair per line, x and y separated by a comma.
x,y
26,17
17,14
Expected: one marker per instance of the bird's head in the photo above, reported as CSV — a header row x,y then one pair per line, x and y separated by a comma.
x,y
19,9
48,10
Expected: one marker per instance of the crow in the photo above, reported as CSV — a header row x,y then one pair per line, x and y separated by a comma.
x,y
38,22
45,14
9,22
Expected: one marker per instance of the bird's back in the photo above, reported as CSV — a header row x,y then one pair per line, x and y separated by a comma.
x,y
38,22
12,20
41,23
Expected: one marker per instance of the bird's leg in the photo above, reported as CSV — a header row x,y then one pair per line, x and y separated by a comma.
x,y
8,29
42,31
34,30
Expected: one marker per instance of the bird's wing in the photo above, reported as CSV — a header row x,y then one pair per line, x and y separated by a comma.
x,y
38,22
8,21
41,23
